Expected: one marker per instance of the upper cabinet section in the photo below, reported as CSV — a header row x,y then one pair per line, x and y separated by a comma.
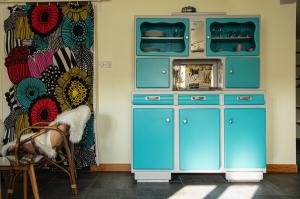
x,y
232,36
162,36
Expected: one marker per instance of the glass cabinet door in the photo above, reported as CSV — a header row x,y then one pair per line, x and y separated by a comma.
x,y
232,36
162,37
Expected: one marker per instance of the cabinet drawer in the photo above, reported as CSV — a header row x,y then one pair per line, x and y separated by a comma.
x,y
153,99
198,99
244,99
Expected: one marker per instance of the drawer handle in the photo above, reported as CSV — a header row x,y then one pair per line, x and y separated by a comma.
x,y
230,121
244,98
152,98
185,121
198,98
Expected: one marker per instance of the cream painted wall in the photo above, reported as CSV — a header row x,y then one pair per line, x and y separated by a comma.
x,y
115,42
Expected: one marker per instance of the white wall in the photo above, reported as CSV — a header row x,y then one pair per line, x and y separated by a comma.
x,y
115,42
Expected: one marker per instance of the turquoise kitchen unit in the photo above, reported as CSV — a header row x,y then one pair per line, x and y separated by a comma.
x,y
162,36
196,107
244,99
199,139
152,73
153,139
245,138
153,99
198,99
242,72
233,36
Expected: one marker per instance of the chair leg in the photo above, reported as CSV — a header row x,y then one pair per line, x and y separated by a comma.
x,y
34,186
10,189
25,185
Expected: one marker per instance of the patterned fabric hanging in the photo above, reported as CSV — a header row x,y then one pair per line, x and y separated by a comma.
x,y
10,123
76,33
74,89
44,109
44,19
64,58
50,63
28,90
11,99
50,77
76,11
88,138
16,64
84,58
40,61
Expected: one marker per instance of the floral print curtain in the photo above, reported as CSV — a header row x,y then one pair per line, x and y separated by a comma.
x,y
49,61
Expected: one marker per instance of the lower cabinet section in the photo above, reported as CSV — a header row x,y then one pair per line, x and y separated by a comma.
x,y
245,138
153,138
199,139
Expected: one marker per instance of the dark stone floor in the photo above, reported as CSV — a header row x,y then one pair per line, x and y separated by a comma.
x,y
55,185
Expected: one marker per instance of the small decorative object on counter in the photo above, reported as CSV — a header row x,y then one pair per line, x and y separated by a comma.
x,y
189,9
239,48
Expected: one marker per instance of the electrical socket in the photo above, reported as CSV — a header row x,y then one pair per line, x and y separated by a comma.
x,y
105,64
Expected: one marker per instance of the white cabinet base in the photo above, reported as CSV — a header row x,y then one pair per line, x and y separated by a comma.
x,y
244,176
152,176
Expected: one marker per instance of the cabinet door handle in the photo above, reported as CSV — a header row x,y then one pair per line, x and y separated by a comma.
x,y
245,98
163,71
186,37
152,98
198,98
231,71
185,121
168,120
230,121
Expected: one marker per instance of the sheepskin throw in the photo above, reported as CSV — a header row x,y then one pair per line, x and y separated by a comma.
x,y
76,119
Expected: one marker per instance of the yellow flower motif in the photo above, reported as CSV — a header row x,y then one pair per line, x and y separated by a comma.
x,y
74,88
76,11
23,30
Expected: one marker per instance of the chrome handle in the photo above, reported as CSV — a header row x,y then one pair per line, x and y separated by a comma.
x,y
198,98
152,98
168,120
185,121
163,72
245,98
230,121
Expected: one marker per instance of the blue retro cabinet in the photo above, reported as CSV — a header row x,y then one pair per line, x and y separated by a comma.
x,y
242,72
245,138
199,139
232,36
152,73
153,138
162,36
198,131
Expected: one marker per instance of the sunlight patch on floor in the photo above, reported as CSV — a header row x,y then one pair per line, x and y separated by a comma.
x,y
193,192
239,191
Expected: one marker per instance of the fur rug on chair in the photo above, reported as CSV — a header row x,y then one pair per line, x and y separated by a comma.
x,y
76,119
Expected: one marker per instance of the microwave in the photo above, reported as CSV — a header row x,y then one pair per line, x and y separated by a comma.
x,y
197,74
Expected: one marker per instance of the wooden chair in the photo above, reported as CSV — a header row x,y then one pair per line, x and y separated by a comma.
x,y
21,163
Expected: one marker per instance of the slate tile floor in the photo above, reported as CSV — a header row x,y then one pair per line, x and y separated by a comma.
x,y
54,185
